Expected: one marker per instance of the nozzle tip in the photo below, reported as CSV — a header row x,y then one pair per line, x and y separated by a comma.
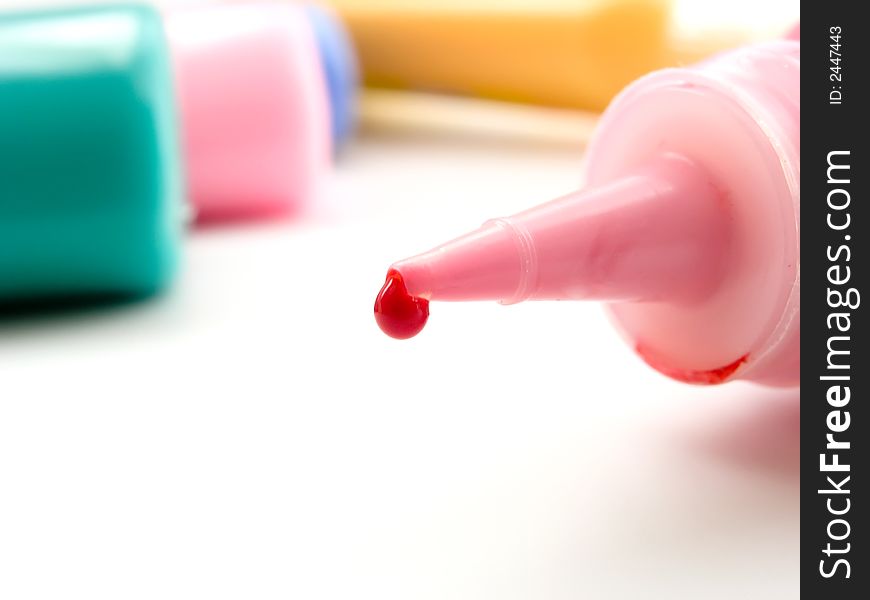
x,y
399,314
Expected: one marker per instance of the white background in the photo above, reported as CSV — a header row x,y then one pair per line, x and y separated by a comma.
x,y
253,435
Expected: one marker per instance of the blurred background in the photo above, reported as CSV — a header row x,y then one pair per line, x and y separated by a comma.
x,y
241,428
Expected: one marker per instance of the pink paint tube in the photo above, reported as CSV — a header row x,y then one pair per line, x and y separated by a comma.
x,y
254,118
688,227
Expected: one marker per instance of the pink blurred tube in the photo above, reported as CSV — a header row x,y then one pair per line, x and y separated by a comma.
x,y
253,108
688,226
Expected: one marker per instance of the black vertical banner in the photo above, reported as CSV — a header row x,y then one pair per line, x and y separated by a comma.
x,y
835,372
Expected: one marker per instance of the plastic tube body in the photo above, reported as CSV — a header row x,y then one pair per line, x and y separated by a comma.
x,y
688,226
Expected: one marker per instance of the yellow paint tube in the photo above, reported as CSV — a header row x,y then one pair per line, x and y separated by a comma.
x,y
565,53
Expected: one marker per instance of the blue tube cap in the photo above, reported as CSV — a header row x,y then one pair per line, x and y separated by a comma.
x,y
338,59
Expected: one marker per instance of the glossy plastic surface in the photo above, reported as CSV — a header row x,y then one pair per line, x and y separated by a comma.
x,y
90,187
254,108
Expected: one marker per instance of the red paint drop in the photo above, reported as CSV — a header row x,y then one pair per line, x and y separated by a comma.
x,y
399,314
708,377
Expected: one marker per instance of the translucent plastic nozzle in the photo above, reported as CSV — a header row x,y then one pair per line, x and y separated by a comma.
x,y
655,234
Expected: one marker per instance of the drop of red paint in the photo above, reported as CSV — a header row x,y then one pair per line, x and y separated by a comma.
x,y
399,314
